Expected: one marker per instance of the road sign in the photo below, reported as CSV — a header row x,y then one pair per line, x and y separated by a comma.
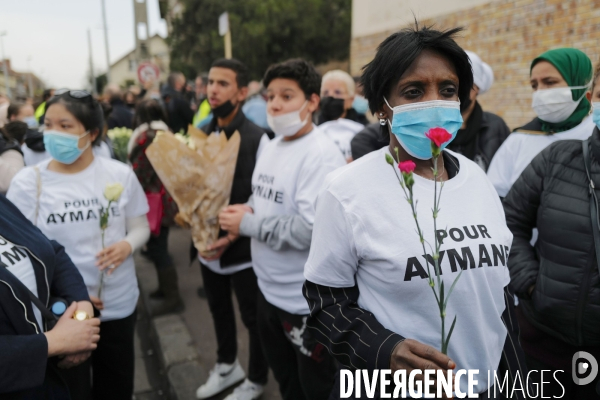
x,y
147,72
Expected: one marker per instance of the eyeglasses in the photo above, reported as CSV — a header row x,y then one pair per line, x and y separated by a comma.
x,y
75,94
78,94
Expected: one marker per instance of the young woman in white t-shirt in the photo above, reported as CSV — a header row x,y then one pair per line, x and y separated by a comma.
x,y
64,197
366,275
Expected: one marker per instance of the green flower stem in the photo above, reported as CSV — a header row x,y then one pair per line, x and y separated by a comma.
x,y
103,225
436,246
442,299
410,199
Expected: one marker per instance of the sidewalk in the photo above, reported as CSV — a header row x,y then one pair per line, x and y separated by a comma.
x,y
187,341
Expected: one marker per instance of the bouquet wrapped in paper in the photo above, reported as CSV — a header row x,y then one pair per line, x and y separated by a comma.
x,y
197,171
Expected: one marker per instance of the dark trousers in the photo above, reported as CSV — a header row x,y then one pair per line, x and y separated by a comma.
x,y
158,249
568,391
111,364
220,302
302,366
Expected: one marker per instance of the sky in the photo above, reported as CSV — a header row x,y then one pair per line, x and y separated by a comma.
x,y
53,34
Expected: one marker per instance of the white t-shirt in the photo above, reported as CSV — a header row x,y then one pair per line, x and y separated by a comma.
x,y
215,265
517,151
365,230
342,131
69,211
34,157
286,181
19,264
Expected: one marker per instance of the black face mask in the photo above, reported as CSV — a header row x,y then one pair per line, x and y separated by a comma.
x,y
331,108
223,110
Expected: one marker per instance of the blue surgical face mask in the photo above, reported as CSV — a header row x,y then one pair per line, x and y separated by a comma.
x,y
64,147
32,122
412,121
596,113
360,104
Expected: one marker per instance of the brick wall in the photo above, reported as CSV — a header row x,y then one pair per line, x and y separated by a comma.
x,y
508,35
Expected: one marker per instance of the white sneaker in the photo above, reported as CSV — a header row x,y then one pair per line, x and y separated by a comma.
x,y
221,377
246,391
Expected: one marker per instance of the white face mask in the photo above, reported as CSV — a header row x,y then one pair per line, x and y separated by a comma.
x,y
287,124
555,105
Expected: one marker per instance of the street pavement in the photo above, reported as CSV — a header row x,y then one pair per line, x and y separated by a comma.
x,y
185,342
149,383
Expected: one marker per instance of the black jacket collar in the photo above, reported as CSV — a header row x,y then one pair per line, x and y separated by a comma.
x,y
533,125
229,130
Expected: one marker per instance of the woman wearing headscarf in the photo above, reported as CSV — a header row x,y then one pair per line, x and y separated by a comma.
x,y
366,281
481,133
560,79
557,279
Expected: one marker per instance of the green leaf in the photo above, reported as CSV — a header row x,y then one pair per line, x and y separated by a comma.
x,y
452,287
449,335
441,296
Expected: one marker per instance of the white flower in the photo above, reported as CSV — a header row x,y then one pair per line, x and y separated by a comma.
x,y
112,191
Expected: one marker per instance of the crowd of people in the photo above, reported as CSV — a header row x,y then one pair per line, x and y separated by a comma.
x,y
317,242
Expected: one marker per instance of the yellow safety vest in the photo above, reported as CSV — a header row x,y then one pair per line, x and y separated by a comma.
x,y
203,112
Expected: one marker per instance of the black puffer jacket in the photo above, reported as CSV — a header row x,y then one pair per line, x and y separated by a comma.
x,y
369,139
552,194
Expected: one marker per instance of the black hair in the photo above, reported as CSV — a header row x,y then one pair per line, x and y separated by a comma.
x,y
242,77
13,109
16,130
47,94
399,50
147,111
86,110
298,70
172,79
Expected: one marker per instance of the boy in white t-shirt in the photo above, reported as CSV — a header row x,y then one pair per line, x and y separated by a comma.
x,y
279,219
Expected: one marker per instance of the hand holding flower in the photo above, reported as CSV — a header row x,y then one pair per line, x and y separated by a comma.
x,y
113,256
112,193
410,354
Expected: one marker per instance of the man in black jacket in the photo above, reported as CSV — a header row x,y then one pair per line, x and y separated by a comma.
x,y
232,265
120,116
482,132
179,110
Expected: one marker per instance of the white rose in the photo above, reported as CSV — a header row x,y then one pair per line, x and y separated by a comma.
x,y
112,191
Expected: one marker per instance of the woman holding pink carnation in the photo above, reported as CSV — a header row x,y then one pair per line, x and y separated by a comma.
x,y
410,219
